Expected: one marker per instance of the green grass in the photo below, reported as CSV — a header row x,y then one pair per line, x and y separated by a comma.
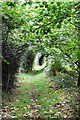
x,y
47,97
20,99
23,101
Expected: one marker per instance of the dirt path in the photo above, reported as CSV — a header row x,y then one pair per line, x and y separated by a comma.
x,y
34,105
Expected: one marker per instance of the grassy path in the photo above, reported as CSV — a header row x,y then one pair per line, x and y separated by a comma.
x,y
36,98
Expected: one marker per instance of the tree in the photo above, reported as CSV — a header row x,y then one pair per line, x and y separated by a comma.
x,y
13,36
56,25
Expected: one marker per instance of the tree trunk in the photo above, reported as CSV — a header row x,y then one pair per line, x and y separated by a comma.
x,y
5,74
78,79
78,84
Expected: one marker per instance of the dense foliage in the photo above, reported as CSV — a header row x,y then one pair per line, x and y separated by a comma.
x,y
49,26
27,61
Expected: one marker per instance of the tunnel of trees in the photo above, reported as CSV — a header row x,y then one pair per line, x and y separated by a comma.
x,y
40,60
53,27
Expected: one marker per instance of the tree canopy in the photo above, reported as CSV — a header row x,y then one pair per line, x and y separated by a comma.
x,y
53,27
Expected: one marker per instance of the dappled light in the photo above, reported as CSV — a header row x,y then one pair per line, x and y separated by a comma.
x,y
40,60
